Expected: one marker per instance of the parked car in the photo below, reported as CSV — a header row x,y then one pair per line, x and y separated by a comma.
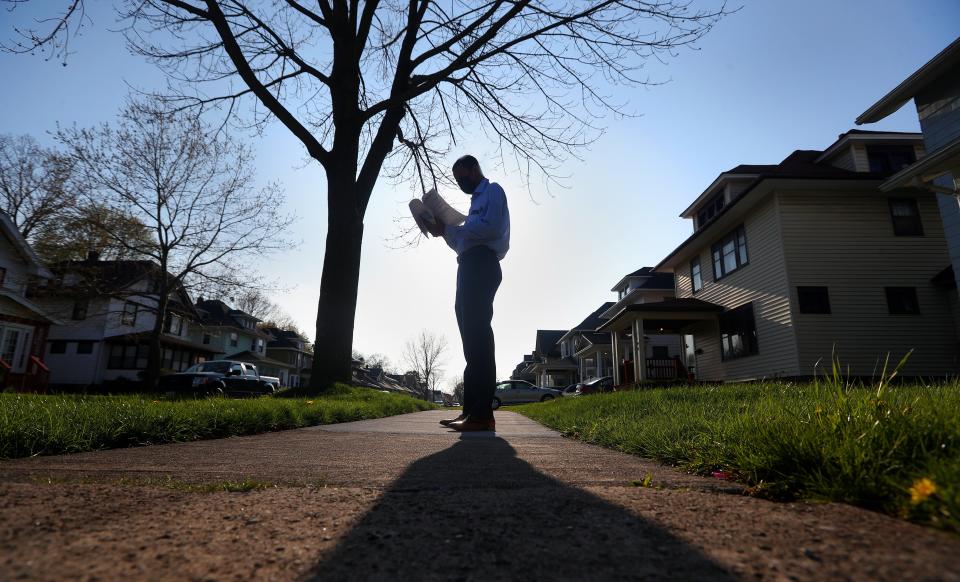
x,y
569,390
519,391
595,386
219,377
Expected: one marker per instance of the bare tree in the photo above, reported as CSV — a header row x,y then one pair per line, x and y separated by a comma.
x,y
388,87
193,190
34,189
458,390
424,355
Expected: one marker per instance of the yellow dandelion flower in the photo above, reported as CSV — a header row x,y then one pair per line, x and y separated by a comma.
x,y
921,490
156,402
309,402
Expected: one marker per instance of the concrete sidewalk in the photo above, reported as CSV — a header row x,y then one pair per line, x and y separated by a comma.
x,y
404,498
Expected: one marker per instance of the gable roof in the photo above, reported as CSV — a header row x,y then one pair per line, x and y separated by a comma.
x,y
283,338
214,312
799,165
547,341
34,265
655,279
942,64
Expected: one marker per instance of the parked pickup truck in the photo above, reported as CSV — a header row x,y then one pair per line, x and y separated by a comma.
x,y
220,377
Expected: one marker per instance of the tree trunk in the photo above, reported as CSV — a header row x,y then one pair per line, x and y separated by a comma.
x,y
333,349
151,375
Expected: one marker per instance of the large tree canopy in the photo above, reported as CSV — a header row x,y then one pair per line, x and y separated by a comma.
x,y
387,87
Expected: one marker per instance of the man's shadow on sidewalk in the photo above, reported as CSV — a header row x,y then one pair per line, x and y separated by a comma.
x,y
476,512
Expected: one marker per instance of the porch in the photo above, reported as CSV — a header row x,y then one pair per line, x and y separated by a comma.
x,y
636,326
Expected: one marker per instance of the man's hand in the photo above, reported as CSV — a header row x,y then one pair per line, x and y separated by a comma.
x,y
436,229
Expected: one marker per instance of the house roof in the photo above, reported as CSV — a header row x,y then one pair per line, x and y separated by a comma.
x,y
799,165
655,280
920,173
283,338
547,341
34,264
666,307
107,277
942,64
18,306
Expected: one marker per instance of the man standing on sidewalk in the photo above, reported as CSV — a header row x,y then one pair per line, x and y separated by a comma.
x,y
480,243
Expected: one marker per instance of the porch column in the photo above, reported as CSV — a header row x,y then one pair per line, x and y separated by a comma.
x,y
639,352
615,351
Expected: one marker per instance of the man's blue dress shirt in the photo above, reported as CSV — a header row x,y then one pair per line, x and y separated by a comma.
x,y
487,224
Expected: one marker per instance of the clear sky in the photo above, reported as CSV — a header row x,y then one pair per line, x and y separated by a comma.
x,y
776,76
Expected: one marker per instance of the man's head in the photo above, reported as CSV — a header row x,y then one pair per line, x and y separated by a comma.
x,y
466,171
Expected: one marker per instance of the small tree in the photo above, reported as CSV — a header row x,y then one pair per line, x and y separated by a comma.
x,y
424,355
191,188
34,184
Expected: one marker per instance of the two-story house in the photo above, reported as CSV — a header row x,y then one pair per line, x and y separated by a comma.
x,y
291,348
661,350
587,347
549,367
23,324
107,311
935,90
792,264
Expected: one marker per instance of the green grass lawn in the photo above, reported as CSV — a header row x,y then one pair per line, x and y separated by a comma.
x,y
48,425
895,450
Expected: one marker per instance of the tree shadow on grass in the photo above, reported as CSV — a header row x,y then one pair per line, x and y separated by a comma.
x,y
477,512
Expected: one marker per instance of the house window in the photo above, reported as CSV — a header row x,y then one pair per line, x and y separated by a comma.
x,y
122,358
906,217
58,347
234,339
660,352
738,333
80,309
902,301
710,210
888,159
206,339
813,300
174,324
85,347
129,316
730,253
696,275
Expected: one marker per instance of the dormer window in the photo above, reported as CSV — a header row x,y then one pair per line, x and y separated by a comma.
x,y
890,159
710,210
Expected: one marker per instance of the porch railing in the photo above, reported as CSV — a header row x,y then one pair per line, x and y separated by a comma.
x,y
665,369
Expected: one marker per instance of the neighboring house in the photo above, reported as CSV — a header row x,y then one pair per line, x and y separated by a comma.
x,y
794,263
229,331
23,325
589,349
520,370
107,310
662,349
548,367
290,348
935,90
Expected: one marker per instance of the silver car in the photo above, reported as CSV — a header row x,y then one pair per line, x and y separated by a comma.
x,y
518,391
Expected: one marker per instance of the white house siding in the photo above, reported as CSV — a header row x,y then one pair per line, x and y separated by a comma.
x,y
763,282
71,367
15,279
844,240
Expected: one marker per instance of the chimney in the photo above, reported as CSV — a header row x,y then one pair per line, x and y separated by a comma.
x,y
93,256
200,300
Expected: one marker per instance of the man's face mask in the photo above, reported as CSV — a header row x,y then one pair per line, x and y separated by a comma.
x,y
467,184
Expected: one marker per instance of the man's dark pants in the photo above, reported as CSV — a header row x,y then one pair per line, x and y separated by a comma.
x,y
478,277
